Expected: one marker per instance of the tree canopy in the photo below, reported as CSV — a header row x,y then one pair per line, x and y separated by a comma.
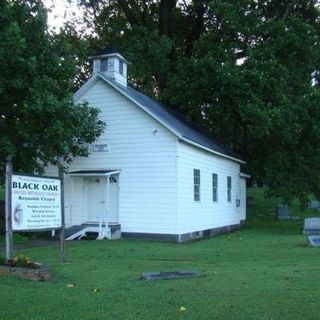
x,y
245,71
39,123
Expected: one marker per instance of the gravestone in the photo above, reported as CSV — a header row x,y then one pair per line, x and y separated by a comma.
x,y
314,241
282,212
311,226
314,204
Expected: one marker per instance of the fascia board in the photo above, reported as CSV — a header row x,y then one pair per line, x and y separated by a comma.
x,y
93,174
188,141
83,89
165,124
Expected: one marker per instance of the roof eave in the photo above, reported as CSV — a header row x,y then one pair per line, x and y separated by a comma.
x,y
80,92
212,151
109,55
139,104
244,175
83,89
93,174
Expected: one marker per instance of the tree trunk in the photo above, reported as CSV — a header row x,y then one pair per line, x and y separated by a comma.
x,y
166,7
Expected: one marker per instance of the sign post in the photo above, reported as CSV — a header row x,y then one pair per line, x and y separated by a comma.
x,y
62,231
9,235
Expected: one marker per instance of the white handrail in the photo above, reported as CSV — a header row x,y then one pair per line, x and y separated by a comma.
x,y
103,230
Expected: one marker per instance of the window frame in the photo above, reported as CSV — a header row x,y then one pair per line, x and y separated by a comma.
x,y
196,185
104,65
121,67
229,188
214,187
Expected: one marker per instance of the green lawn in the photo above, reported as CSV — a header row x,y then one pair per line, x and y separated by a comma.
x,y
264,271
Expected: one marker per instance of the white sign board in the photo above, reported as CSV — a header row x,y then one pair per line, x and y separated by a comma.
x,y
36,203
100,148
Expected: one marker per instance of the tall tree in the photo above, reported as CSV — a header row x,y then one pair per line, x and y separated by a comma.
x,y
39,123
245,71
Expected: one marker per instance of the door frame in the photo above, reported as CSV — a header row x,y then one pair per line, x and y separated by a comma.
x,y
86,179
98,173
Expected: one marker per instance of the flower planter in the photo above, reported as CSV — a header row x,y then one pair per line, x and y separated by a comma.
x,y
41,273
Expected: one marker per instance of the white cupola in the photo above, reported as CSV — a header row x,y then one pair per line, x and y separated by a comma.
x,y
111,64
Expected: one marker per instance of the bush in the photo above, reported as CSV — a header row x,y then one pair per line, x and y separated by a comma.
x,y
2,227
3,260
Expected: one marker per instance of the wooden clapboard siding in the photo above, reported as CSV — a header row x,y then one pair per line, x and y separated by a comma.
x,y
156,180
144,151
205,214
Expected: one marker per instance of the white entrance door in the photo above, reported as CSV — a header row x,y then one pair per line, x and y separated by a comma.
x,y
113,214
96,197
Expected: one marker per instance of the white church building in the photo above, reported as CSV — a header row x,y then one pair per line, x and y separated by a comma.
x,y
150,175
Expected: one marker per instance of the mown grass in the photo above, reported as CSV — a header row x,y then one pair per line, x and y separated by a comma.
x,y
264,271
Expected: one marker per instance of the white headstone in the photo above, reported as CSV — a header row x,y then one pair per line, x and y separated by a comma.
x,y
314,204
314,241
311,226
282,212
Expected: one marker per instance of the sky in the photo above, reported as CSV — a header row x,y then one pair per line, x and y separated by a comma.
x,y
61,11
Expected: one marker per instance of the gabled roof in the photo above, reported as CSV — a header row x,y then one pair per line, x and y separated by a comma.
x,y
171,120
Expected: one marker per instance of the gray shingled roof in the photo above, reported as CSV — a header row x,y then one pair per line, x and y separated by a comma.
x,y
107,50
173,120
